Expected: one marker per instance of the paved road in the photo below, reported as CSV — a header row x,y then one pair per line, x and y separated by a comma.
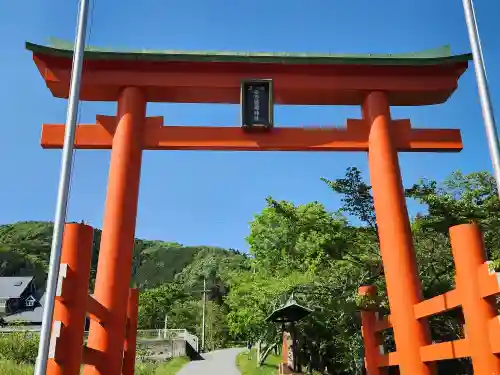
x,y
219,362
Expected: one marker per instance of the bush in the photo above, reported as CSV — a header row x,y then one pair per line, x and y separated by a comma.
x,y
12,368
19,347
247,363
171,367
18,352
145,368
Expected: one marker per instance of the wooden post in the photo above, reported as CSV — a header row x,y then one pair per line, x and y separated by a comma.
x,y
396,245
469,255
284,369
65,355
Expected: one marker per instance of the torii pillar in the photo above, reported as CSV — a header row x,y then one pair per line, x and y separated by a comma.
x,y
117,241
396,242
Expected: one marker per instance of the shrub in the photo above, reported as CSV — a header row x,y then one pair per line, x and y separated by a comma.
x,y
145,368
19,347
12,368
170,367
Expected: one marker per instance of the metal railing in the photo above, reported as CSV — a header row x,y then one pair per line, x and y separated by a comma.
x,y
169,334
142,334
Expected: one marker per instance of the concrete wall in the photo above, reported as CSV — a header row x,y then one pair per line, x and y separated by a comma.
x,y
162,349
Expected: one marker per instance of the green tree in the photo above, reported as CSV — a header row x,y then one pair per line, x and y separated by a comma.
x,y
187,314
461,198
288,237
213,265
156,303
314,255
357,199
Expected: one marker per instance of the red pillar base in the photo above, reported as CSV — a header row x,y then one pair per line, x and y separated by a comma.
x,y
469,255
65,356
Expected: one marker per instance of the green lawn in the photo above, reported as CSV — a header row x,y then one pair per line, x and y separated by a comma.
x,y
168,368
247,364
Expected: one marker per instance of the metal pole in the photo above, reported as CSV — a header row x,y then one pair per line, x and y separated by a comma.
x,y
63,189
165,327
476,30
203,316
482,84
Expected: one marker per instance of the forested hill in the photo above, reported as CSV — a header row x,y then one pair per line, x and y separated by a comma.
x,y
25,251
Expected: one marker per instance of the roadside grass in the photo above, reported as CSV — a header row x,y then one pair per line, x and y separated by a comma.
x,y
13,368
18,351
168,368
171,367
247,364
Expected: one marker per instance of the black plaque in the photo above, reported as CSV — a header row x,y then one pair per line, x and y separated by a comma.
x,y
257,104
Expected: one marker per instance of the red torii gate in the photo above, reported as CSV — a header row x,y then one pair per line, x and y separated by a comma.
x,y
374,82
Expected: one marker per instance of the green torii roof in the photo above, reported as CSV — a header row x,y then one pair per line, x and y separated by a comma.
x,y
438,56
291,312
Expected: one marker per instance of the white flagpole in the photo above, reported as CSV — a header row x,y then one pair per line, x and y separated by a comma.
x,y
482,84
63,189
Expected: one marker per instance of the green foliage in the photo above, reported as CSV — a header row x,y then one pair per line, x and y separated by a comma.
x,y
318,258
142,353
155,303
188,315
213,265
252,298
25,251
170,276
170,367
321,259
19,347
356,196
495,265
159,262
460,199
247,364
13,368
181,299
285,237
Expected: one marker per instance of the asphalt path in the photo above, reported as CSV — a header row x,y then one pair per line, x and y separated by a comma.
x,y
219,362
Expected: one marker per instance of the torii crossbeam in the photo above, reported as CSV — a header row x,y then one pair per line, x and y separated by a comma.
x,y
354,137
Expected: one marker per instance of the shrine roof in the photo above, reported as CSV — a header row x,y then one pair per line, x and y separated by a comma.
x,y
438,56
424,78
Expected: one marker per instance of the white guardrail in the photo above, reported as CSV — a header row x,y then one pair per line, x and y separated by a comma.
x,y
142,334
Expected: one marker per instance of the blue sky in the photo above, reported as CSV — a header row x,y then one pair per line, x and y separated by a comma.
x,y
209,198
